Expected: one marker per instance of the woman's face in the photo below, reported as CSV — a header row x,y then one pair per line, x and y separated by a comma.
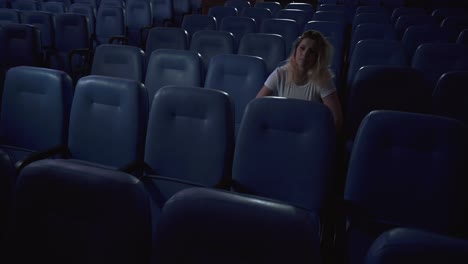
x,y
306,54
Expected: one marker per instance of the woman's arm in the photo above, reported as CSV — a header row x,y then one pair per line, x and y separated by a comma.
x,y
333,103
265,91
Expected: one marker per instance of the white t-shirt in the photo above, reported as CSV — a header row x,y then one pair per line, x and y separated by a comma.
x,y
310,91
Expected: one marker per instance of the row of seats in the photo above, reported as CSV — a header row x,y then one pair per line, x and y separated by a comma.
x,y
390,166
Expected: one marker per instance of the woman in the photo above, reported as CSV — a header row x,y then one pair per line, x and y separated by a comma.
x,y
306,76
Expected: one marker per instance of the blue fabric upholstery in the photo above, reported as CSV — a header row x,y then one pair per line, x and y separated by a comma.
x,y
301,17
166,38
220,12
371,9
21,45
435,59
110,22
173,67
67,213
414,36
194,23
240,76
238,26
272,6
209,43
328,29
238,4
71,33
86,10
404,10
286,28
9,16
402,161
210,226
259,14
371,31
269,47
454,25
54,7
331,16
45,22
285,150
405,21
108,121
450,97
138,14
405,245
43,123
376,52
377,18
26,5
119,61
189,141
384,87
180,9
331,7
162,11
308,8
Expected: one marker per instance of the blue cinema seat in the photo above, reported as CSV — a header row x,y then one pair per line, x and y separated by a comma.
x,y
166,38
269,47
209,43
212,226
450,96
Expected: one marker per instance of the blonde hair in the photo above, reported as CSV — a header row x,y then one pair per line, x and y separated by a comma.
x,y
319,71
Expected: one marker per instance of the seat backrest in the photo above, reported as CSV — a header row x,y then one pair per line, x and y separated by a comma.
x,y
285,150
463,37
54,7
396,166
138,14
404,10
92,3
301,6
119,61
26,5
220,12
417,35
286,28
371,9
166,38
435,59
450,97
209,43
87,11
238,26
190,136
108,121
180,9
331,16
194,23
162,11
21,44
67,213
376,52
9,16
238,4
383,87
454,25
240,76
371,31
301,17
110,22
45,22
405,21
331,7
173,67
43,124
254,230
272,6
441,13
259,14
269,47
408,245
328,29
370,18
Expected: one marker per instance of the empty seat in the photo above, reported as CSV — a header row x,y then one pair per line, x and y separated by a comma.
x,y
301,17
398,165
301,6
331,16
331,7
173,67
88,11
450,96
162,12
371,9
180,9
45,22
370,18
328,29
110,23
139,19
66,213
435,59
371,31
194,23
238,4
381,87
220,12
408,245
376,52
9,16
166,38
404,10
26,5
119,61
189,141
441,13
253,230
238,26
240,76
54,7
259,14
405,21
272,6
414,36
107,122
209,43
286,28
454,25
269,47
285,150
